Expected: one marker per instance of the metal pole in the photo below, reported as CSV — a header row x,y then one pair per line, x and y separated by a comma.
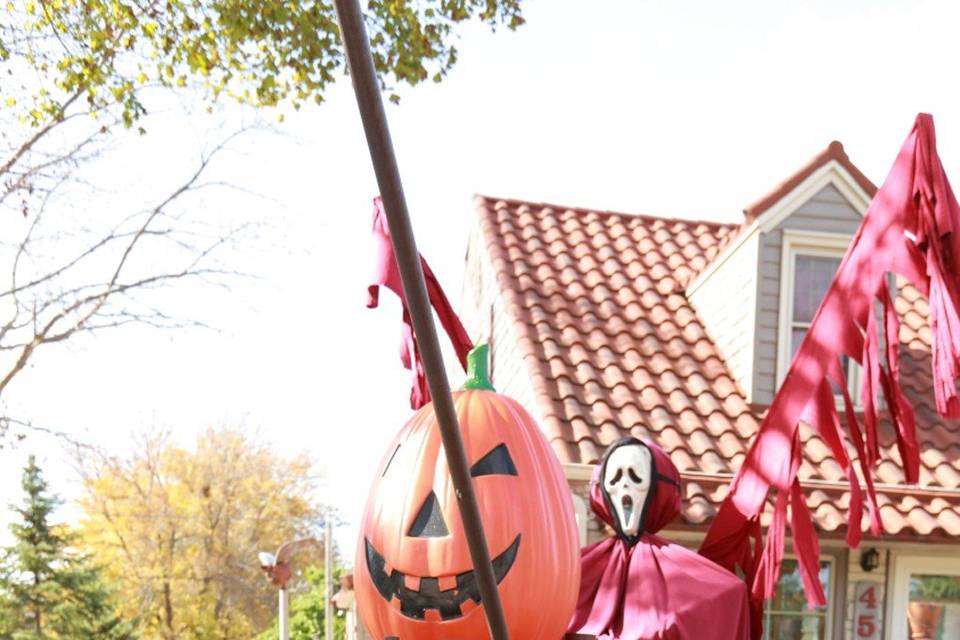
x,y
328,578
370,102
284,614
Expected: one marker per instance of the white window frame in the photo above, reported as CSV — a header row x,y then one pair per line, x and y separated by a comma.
x,y
806,243
903,566
834,563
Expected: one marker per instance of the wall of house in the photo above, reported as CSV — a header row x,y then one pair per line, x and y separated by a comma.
x,y
856,574
725,299
485,318
827,211
909,559
591,529
847,570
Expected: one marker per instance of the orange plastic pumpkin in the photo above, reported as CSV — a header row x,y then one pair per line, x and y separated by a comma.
x,y
413,573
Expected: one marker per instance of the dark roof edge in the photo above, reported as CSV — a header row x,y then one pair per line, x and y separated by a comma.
x,y
834,151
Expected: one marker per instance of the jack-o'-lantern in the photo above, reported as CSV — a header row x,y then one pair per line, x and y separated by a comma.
x,y
413,573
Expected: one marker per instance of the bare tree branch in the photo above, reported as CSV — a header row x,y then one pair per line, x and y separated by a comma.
x,y
32,141
66,281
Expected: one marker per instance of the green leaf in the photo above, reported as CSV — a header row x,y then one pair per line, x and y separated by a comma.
x,y
263,53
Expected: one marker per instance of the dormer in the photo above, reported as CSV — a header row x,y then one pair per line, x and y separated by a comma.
x,y
758,296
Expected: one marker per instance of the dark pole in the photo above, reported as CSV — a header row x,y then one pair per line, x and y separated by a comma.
x,y
367,89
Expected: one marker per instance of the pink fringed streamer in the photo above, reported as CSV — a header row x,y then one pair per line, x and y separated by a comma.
x,y
908,230
904,418
866,462
387,274
946,326
941,248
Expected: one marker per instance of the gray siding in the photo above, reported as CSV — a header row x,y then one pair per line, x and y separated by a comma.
x,y
827,211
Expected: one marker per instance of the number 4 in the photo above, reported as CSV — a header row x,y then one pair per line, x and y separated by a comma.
x,y
869,598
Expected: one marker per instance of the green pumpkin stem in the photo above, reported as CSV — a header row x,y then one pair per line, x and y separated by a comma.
x,y
478,373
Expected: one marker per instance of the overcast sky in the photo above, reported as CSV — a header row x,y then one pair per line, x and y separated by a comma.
x,y
677,108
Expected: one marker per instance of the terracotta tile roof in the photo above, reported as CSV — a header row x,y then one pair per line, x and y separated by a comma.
x,y
833,152
613,347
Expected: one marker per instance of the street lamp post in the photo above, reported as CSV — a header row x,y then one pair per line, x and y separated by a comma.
x,y
284,611
277,567
328,579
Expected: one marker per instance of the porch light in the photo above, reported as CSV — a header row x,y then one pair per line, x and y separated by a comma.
x,y
869,559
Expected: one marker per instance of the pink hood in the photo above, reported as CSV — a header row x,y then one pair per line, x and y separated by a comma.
x,y
644,587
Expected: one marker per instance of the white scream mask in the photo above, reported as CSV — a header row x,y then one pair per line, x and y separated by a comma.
x,y
627,480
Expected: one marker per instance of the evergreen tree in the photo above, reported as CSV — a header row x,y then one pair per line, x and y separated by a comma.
x,y
47,590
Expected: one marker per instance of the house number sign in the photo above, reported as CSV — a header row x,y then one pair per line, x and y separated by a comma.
x,y
867,620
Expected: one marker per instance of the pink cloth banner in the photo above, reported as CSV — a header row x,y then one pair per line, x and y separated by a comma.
x,y
908,230
387,274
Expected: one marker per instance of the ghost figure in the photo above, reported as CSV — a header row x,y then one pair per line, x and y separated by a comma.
x,y
637,585
627,482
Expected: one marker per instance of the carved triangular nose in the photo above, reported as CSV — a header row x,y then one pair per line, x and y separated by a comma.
x,y
429,522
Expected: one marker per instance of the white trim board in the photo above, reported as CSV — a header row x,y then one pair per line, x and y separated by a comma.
x,y
706,274
577,471
582,514
832,173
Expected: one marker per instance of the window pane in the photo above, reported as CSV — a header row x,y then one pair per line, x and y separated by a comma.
x,y
797,627
789,595
933,612
812,277
796,337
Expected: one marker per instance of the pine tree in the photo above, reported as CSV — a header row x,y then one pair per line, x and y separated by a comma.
x,y
47,590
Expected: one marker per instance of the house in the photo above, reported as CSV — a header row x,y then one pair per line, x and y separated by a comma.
x,y
606,324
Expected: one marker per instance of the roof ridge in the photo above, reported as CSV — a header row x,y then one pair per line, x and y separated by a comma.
x,y
834,151
604,212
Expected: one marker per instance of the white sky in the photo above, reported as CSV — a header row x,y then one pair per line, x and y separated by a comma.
x,y
682,108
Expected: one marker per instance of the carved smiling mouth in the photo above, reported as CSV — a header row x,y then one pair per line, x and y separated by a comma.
x,y
414,603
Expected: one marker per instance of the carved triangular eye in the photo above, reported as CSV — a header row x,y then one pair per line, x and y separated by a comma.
x,y
496,462
429,522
